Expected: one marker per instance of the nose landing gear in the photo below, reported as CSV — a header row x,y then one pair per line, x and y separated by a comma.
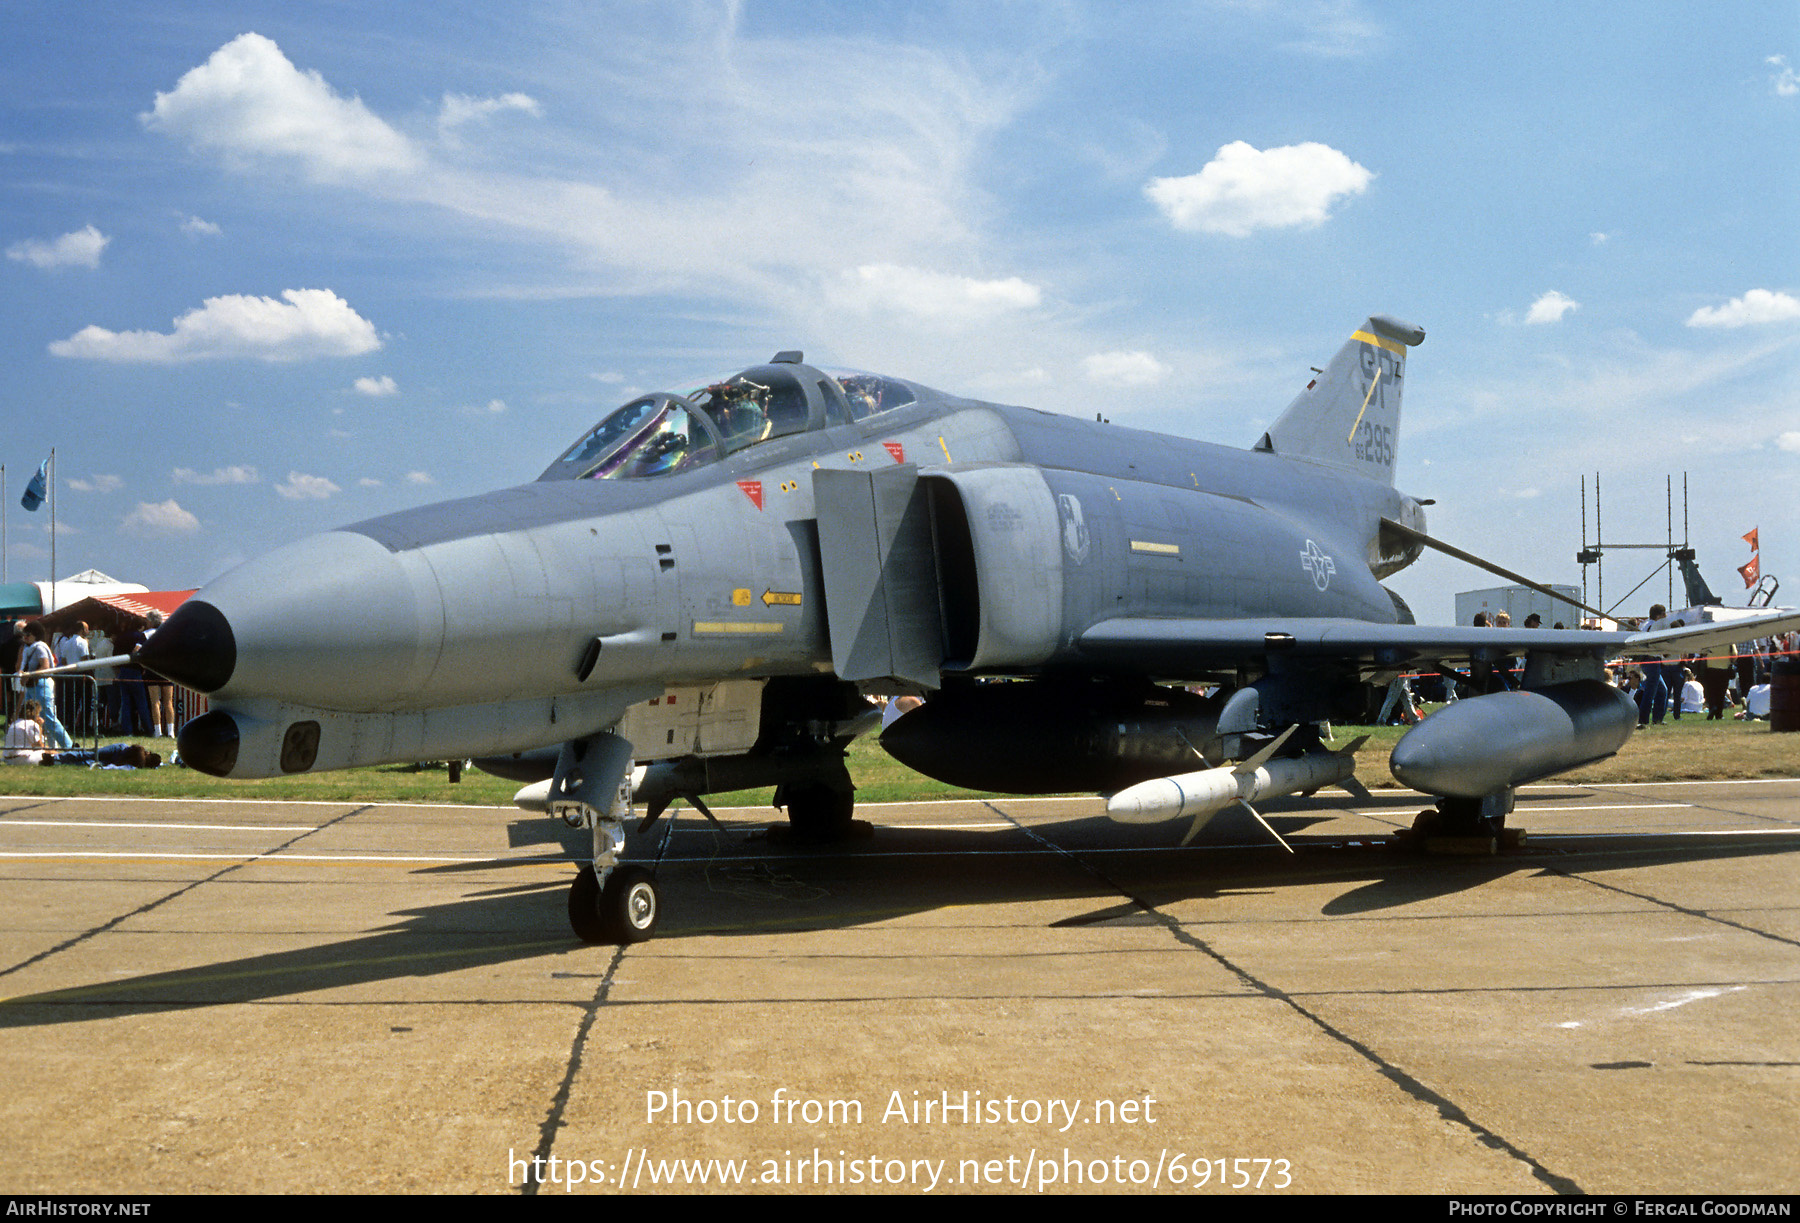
x,y
610,901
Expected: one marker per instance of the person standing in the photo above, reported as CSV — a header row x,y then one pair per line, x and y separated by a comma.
x,y
1481,672
1510,668
134,707
1653,693
74,689
1715,680
12,642
106,687
154,695
36,658
158,689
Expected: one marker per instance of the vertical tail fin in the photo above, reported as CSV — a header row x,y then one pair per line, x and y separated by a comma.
x,y
1349,416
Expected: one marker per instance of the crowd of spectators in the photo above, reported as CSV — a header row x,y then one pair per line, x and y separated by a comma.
x,y
110,700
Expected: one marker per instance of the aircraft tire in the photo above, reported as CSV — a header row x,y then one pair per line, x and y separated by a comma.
x,y
584,907
624,911
820,812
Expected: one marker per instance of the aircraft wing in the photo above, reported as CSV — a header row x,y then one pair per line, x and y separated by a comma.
x,y
1173,648
1699,638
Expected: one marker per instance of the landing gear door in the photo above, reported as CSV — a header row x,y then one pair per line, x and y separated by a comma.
x,y
881,594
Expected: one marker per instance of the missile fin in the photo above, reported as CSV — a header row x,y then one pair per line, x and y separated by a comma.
x,y
1279,839
696,804
1261,758
1192,748
1350,785
1195,827
653,812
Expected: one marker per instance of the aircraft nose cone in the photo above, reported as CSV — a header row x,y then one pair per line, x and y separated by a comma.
x,y
335,621
195,648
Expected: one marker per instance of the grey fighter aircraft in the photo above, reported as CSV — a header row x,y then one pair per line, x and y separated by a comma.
x,y
708,583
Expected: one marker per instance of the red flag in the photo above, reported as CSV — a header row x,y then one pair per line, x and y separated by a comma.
x,y
1750,572
1751,539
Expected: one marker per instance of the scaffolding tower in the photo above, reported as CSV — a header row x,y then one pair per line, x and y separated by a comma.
x,y
1675,555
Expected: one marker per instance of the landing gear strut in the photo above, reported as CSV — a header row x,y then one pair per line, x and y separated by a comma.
x,y
609,902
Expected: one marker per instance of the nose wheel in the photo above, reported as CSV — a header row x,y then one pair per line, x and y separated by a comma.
x,y
623,910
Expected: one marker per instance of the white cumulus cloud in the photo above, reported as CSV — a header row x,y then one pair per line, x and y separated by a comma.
x,y
1550,307
1756,306
1789,441
160,518
194,227
376,387
249,100
1785,80
99,484
302,487
653,189
306,323
419,477
1133,368
236,474
80,249
941,296
1243,189
459,109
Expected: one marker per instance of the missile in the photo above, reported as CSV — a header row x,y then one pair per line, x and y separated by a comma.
x,y
1203,794
1487,743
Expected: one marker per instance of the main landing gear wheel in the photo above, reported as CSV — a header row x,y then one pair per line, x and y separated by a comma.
x,y
819,813
622,912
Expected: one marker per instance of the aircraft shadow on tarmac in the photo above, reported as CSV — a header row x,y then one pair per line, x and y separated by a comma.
x,y
739,882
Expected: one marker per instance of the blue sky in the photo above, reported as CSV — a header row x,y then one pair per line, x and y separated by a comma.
x,y
275,268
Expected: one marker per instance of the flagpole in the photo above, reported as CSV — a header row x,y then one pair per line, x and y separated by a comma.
x,y
3,548
52,606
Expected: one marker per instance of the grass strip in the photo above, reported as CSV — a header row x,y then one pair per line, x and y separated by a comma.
x,y
1690,749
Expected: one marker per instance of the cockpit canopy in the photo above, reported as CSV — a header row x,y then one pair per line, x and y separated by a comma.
x,y
660,434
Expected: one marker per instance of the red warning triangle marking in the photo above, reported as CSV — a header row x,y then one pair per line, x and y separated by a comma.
x,y
897,450
753,490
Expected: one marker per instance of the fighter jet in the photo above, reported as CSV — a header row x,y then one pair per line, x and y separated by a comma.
x,y
698,593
